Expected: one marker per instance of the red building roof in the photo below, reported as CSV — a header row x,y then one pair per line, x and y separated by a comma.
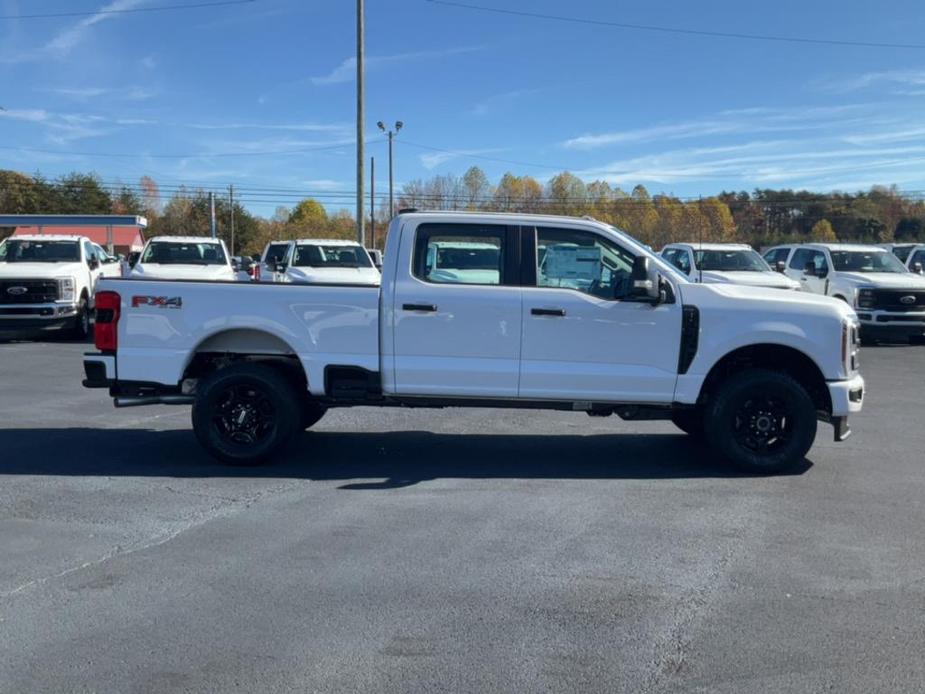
x,y
124,238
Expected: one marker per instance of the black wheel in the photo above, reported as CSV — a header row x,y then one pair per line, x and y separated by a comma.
x,y
761,421
311,414
81,328
245,413
689,421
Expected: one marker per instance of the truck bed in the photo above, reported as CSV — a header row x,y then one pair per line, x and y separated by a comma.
x,y
163,322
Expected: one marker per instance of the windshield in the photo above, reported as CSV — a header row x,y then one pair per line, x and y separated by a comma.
x,y
42,251
177,253
312,255
276,252
866,261
731,261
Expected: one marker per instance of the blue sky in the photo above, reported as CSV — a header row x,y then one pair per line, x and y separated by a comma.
x,y
261,94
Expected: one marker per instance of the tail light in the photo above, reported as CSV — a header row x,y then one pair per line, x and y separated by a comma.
x,y
105,333
256,274
252,271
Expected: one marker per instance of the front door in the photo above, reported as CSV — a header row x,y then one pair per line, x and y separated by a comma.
x,y
457,316
584,338
814,282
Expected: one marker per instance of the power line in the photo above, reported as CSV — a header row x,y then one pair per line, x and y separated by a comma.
x,y
677,30
158,8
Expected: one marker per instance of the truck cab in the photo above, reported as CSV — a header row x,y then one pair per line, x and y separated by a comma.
x,y
329,261
48,283
888,298
736,263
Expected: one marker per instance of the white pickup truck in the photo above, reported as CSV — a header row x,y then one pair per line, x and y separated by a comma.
x,y
47,282
725,262
595,323
888,298
184,258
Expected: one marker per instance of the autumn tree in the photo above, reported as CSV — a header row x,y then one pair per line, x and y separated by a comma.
x,y
823,232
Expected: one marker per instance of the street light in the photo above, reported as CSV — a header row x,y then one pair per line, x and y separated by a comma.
x,y
398,126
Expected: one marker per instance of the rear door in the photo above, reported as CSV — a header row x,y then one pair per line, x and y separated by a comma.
x,y
584,338
457,313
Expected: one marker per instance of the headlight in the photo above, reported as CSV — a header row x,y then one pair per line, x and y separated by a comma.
x,y
849,346
865,298
66,288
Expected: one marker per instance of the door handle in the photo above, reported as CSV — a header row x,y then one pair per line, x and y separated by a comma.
x,y
555,312
426,308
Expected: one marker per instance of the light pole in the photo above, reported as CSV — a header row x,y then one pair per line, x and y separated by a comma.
x,y
361,121
391,134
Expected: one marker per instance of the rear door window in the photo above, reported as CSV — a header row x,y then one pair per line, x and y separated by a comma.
x,y
460,254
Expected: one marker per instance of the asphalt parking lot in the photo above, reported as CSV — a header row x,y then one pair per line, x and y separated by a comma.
x,y
454,550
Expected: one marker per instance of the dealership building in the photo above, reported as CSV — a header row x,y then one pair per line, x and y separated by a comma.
x,y
116,233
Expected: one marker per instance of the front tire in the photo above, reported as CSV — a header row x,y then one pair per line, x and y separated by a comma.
x,y
762,421
245,413
81,328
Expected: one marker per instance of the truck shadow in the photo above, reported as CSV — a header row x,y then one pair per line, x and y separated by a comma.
x,y
366,460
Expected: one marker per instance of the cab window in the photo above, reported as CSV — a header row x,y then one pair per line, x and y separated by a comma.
x,y
776,255
460,254
803,256
582,261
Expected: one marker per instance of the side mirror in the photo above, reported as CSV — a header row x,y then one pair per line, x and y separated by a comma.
x,y
810,269
645,287
133,258
917,268
780,266
279,267
93,262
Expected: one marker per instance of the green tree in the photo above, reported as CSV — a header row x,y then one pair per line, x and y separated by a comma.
x,y
477,188
309,213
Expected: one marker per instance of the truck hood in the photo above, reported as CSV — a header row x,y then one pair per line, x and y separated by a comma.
x,y
39,270
883,280
762,299
751,279
334,275
153,271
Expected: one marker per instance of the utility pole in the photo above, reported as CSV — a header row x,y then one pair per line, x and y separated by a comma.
x,y
361,125
212,213
391,134
372,201
231,203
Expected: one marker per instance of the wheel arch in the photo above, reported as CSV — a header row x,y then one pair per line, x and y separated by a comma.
x,y
775,357
229,345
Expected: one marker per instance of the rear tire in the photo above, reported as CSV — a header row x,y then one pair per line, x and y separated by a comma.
x,y
762,421
245,413
690,421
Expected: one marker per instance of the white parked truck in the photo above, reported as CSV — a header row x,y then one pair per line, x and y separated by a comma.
x,y
47,282
888,298
606,328
329,261
184,258
736,263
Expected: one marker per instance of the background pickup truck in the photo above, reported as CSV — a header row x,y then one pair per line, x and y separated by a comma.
x,y
888,297
47,282
529,311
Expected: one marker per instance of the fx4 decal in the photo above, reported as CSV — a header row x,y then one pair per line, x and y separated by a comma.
x,y
159,301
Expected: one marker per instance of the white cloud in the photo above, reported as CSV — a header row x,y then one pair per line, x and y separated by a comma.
x,y
65,41
128,93
431,160
499,102
909,78
730,122
346,71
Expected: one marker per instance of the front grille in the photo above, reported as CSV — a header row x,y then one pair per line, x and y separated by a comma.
x,y
28,291
899,299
